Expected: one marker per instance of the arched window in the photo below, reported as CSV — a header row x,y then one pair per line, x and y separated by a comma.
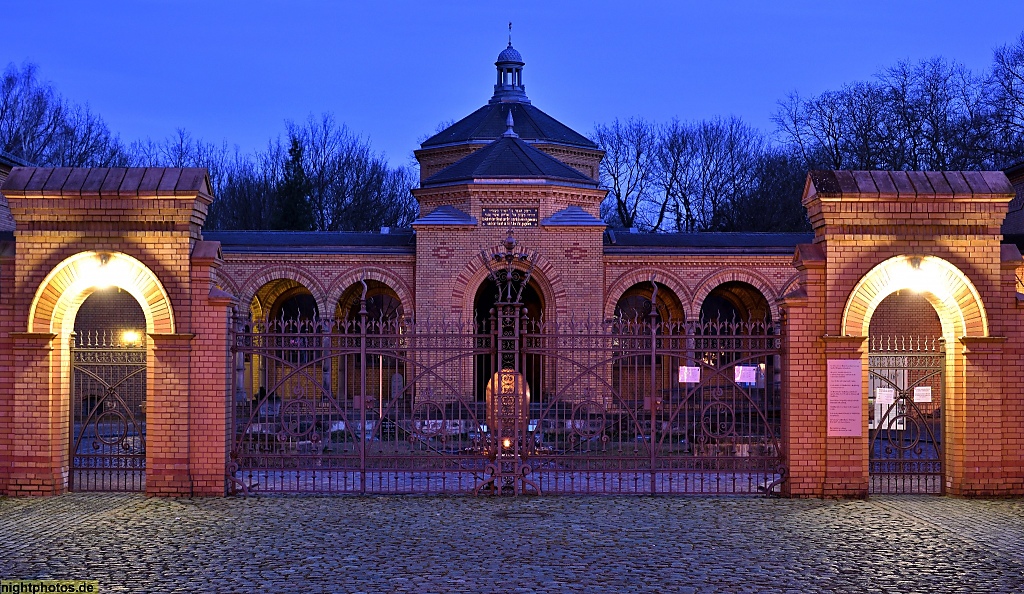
x,y
533,303
632,321
383,307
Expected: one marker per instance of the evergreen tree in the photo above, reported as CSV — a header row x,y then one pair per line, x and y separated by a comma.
x,y
294,211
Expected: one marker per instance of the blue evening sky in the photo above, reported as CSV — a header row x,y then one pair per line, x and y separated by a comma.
x,y
393,70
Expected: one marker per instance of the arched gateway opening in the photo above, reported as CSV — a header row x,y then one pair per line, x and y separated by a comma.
x,y
101,306
108,394
905,372
484,304
913,309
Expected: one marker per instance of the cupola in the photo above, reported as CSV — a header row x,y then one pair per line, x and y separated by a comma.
x,y
509,86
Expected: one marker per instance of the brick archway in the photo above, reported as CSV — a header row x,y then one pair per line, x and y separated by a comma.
x,y
945,286
52,314
962,316
544,274
252,285
641,276
64,289
381,275
720,277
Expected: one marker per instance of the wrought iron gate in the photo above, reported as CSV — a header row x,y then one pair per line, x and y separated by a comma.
x,y
616,406
906,379
659,407
108,412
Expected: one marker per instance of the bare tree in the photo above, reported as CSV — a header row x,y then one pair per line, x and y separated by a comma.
x,y
930,115
41,127
1006,85
630,170
352,189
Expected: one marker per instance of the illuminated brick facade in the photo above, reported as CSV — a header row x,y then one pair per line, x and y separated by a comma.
x,y
141,230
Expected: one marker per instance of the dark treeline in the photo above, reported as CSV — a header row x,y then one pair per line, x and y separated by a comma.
x,y
321,177
722,175
713,175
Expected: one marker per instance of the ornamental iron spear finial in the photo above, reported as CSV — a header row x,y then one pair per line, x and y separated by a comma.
x,y
509,266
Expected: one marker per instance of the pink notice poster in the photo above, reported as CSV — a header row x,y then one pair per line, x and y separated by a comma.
x,y
845,415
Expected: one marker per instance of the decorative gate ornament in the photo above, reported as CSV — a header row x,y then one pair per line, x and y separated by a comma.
x,y
508,417
391,406
906,380
108,417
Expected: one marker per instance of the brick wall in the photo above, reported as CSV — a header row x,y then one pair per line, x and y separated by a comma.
x,y
860,232
905,314
153,217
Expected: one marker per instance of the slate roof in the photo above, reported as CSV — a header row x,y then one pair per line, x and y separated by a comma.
x,y
445,215
621,241
106,181
909,184
508,158
488,123
572,216
401,241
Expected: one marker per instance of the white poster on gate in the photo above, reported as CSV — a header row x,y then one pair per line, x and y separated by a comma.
x,y
745,374
885,396
923,394
689,375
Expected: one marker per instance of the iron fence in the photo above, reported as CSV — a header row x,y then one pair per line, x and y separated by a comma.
x,y
506,404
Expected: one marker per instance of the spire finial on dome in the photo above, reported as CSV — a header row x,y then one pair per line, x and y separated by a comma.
x,y
510,133
510,33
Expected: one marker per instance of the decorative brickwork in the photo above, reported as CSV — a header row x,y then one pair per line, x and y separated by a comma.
x,y
877,233
78,230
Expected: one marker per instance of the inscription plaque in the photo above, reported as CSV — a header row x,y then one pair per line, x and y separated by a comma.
x,y
844,398
508,217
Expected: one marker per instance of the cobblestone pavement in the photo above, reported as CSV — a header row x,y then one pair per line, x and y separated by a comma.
x,y
563,544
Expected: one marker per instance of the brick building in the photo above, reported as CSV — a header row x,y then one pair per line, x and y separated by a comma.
x,y
879,353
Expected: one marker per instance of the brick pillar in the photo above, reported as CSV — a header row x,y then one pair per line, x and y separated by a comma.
x,y
974,433
803,377
167,415
211,394
846,457
38,456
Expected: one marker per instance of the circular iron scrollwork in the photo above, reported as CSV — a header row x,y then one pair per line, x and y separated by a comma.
x,y
906,439
428,419
587,419
299,417
111,428
718,420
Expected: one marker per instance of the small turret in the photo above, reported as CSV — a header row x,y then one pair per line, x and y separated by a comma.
x,y
509,87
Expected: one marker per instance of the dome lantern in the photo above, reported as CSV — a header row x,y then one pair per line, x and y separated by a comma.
x,y
509,86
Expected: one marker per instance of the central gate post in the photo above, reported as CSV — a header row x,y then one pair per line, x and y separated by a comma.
x,y
652,320
508,406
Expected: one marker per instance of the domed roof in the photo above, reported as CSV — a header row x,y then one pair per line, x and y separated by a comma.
x,y
509,54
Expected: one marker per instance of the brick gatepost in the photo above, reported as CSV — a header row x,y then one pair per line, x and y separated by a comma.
x,y
935,233
139,229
